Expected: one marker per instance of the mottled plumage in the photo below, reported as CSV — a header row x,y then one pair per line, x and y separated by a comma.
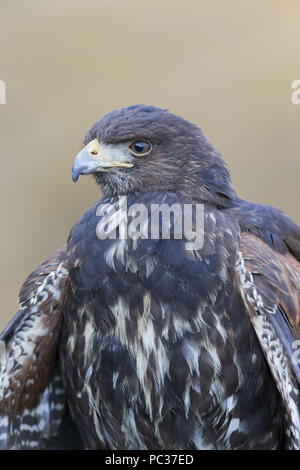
x,y
143,343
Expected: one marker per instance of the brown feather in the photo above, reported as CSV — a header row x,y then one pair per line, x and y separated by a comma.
x,y
269,283
32,400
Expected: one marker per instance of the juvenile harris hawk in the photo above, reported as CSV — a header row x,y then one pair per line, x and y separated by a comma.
x,y
145,343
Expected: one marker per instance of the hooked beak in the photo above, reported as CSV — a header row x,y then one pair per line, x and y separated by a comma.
x,y
95,157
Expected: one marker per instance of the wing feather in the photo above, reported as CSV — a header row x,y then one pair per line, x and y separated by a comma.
x,y
269,283
32,398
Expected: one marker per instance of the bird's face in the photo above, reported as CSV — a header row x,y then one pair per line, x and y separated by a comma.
x,y
108,163
143,148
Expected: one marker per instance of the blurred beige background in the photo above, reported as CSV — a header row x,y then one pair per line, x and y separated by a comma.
x,y
226,65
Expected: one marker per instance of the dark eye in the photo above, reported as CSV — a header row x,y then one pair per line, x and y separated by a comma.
x,y
140,147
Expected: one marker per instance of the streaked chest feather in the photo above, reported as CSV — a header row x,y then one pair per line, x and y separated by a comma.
x,y
154,347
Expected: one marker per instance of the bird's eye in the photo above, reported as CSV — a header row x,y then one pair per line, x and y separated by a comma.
x,y
140,147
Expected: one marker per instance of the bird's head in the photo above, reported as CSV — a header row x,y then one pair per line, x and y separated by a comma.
x,y
144,149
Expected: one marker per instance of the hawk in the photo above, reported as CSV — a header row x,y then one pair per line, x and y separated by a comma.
x,y
128,339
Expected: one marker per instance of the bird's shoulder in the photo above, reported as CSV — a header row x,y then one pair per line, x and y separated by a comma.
x,y
270,224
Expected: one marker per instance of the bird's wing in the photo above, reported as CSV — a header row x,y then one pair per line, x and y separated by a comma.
x,y
269,283
32,399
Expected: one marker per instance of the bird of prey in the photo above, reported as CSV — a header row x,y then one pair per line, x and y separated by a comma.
x,y
132,339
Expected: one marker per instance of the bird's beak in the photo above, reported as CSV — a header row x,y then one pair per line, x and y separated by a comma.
x,y
98,158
